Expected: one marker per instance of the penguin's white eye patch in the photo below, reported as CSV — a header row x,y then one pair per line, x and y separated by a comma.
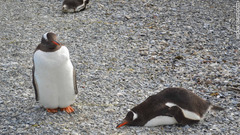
x,y
45,36
135,116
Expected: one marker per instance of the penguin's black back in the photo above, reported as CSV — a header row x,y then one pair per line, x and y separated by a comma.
x,y
185,99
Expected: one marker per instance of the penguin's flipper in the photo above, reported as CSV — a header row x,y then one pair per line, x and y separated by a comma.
x,y
75,81
179,116
35,84
68,109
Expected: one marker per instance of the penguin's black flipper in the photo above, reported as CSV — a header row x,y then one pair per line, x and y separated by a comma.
x,y
179,116
75,81
35,84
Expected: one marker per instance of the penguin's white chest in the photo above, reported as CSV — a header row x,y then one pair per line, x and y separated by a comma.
x,y
54,78
161,120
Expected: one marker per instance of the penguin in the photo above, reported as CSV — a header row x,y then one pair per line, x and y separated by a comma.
x,y
169,106
74,5
54,77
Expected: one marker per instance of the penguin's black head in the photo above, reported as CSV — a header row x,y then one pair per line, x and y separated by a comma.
x,y
49,40
74,5
129,119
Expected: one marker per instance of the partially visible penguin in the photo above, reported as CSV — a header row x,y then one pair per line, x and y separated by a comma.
x,y
170,106
74,5
54,77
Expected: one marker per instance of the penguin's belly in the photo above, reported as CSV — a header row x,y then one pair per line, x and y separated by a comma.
x,y
55,82
161,120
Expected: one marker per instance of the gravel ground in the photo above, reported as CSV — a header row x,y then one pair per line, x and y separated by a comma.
x,y
124,51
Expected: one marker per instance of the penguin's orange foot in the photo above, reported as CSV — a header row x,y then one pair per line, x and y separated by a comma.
x,y
68,109
52,110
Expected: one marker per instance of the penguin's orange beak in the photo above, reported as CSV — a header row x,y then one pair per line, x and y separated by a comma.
x,y
122,124
56,43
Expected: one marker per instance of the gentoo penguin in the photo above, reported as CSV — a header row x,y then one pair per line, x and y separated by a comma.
x,y
54,77
74,5
170,106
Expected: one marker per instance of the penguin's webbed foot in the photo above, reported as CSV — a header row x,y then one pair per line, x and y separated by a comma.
x,y
68,109
52,110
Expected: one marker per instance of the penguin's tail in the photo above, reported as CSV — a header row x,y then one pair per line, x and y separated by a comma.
x,y
216,108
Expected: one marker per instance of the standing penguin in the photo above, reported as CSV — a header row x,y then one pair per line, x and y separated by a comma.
x,y
54,77
74,5
170,106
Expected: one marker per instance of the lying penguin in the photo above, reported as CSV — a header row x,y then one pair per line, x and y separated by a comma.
x,y
74,5
170,106
54,77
